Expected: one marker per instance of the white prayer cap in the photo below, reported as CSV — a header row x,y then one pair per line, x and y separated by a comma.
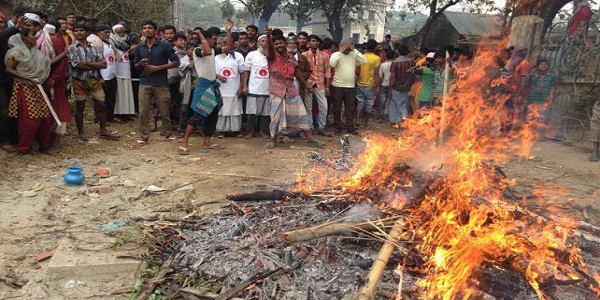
x,y
50,29
430,55
117,26
262,36
33,17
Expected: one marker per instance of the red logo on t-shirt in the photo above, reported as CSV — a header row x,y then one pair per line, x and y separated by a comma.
x,y
125,58
226,72
111,59
263,72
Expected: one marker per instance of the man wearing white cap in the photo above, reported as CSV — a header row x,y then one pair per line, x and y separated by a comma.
x,y
255,84
33,22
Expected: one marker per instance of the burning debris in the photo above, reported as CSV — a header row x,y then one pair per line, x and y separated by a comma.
x,y
450,224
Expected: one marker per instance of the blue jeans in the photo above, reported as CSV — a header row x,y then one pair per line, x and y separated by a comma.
x,y
365,98
398,106
383,98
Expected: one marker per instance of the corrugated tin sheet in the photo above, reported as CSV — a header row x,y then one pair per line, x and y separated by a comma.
x,y
474,24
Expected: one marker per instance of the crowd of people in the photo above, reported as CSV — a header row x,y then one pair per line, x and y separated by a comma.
x,y
224,83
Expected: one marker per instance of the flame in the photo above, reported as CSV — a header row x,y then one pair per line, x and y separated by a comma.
x,y
463,222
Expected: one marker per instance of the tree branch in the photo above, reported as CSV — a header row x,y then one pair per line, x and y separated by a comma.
x,y
443,8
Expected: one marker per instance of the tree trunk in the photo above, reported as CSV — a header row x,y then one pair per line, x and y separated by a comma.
x,y
299,25
335,26
424,32
546,11
266,14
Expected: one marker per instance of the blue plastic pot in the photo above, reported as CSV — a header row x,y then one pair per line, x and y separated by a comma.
x,y
74,176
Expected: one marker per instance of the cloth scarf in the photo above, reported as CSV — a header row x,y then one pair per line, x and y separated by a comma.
x,y
122,43
44,42
207,97
32,63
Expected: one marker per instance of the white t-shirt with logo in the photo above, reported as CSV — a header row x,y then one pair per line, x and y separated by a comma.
x,y
229,67
110,72
256,63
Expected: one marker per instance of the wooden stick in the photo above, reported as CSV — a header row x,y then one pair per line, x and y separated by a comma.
x,y
203,294
47,100
164,269
260,195
444,97
366,291
326,229
240,287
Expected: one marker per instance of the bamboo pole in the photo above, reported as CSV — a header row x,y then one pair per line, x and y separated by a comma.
x,y
366,291
444,97
328,229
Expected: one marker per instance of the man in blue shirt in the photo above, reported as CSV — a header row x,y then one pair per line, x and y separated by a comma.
x,y
154,57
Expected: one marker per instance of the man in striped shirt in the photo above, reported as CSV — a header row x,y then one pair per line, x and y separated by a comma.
x,y
318,82
400,82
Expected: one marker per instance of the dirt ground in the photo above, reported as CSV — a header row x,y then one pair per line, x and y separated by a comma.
x,y
39,210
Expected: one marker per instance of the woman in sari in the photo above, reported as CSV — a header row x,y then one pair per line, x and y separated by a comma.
x,y
29,68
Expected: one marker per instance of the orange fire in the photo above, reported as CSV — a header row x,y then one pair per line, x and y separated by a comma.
x,y
463,223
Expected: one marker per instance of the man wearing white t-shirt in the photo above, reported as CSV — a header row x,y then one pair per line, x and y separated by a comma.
x,y
255,84
109,74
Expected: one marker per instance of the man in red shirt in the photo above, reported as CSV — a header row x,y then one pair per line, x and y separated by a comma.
x,y
287,108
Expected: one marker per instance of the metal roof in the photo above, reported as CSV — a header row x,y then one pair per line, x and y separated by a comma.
x,y
468,24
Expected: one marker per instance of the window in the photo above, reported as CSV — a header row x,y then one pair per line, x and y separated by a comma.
x,y
356,37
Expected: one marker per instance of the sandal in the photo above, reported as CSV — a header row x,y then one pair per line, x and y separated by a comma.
x,y
212,146
83,138
183,151
9,148
142,141
270,144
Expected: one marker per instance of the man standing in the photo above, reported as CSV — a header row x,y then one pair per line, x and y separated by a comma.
x,y
302,41
305,71
206,101
368,82
400,82
243,46
85,62
388,44
252,32
71,21
108,74
318,81
287,108
255,84
155,57
64,31
345,62
8,126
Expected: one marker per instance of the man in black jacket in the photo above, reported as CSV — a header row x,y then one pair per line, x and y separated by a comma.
x,y
8,126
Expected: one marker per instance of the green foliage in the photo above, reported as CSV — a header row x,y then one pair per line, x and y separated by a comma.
x,y
227,9
149,272
300,10
131,11
402,24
